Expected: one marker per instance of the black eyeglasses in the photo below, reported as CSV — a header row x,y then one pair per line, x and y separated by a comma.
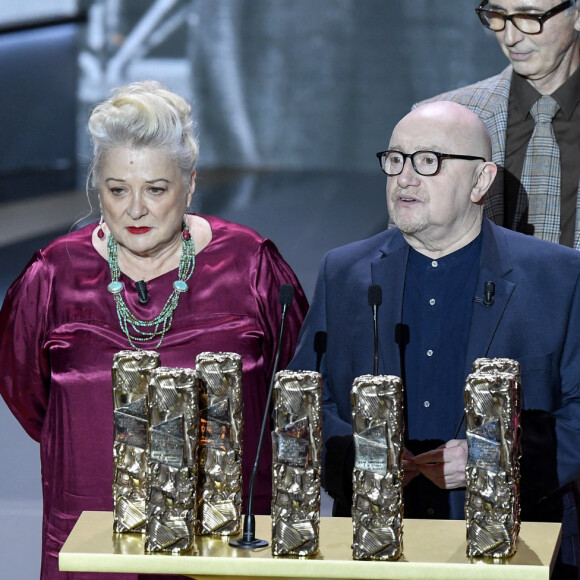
x,y
524,22
424,162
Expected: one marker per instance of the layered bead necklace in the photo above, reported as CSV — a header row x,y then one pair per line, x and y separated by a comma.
x,y
130,324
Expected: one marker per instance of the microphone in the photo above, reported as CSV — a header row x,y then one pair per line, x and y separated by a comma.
x,y
488,293
319,347
248,539
375,300
142,291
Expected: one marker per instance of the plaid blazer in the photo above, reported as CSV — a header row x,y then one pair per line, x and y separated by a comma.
x,y
489,99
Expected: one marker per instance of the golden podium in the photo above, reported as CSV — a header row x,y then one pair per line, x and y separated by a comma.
x,y
433,549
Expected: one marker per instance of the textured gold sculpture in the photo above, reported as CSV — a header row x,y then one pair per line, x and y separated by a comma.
x,y
500,365
378,428
219,491
296,463
492,413
131,370
172,475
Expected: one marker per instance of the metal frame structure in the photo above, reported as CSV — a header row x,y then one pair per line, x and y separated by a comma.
x,y
112,57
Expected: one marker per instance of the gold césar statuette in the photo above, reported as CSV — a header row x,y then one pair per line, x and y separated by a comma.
x,y
378,429
172,475
492,414
296,463
130,372
219,488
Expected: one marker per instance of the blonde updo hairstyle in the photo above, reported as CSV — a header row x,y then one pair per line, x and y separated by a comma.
x,y
139,115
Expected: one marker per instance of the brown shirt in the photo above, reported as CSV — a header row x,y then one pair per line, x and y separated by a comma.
x,y
566,126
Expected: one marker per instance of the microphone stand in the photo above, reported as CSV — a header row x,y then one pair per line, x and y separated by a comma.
x,y
248,540
375,300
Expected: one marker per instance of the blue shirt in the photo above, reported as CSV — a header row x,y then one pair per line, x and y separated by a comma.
x,y
437,307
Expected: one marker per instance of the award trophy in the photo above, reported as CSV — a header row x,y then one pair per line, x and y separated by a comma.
x,y
131,370
377,510
492,413
296,463
172,474
219,488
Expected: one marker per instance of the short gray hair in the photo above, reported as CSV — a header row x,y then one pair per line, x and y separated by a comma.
x,y
143,114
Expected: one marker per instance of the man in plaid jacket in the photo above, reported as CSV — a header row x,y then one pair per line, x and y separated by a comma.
x,y
543,46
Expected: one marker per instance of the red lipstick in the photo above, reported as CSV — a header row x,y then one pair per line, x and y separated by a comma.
x,y
138,230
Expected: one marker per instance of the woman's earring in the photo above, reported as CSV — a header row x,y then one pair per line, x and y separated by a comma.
x,y
185,229
100,232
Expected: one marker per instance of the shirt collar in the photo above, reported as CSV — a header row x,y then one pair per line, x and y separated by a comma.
x,y
523,95
568,95
466,253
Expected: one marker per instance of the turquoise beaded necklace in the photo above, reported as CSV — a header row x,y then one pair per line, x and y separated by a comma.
x,y
130,324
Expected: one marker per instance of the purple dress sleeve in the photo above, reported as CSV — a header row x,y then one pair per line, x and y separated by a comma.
x,y
271,273
24,370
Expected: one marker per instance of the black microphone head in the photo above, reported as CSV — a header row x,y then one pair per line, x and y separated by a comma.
x,y
286,295
375,295
488,293
320,342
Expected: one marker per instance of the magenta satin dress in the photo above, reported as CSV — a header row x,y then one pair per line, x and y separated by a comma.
x,y
58,334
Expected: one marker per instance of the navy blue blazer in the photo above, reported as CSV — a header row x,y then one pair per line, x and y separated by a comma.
x,y
535,319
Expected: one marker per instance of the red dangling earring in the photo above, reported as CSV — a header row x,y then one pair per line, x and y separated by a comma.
x,y
185,230
100,232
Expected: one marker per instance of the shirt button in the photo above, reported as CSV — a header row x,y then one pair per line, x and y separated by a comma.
x,y
434,263
429,352
426,404
432,301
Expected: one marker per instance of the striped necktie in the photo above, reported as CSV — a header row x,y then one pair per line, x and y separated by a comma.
x,y
539,195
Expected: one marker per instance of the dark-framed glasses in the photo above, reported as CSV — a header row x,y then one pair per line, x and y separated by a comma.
x,y
524,22
424,162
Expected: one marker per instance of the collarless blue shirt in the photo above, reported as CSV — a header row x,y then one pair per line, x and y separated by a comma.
x,y
437,308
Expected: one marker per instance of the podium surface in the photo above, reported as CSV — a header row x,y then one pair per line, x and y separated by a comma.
x,y
432,549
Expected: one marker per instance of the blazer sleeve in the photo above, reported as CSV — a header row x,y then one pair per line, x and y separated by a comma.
x,y
567,416
338,452
305,356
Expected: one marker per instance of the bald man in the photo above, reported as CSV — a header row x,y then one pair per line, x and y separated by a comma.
x,y
434,322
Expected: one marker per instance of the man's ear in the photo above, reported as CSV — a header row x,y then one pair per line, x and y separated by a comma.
x,y
485,176
576,8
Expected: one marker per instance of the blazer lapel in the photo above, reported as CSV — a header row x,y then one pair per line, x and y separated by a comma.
x,y
388,271
486,319
495,266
